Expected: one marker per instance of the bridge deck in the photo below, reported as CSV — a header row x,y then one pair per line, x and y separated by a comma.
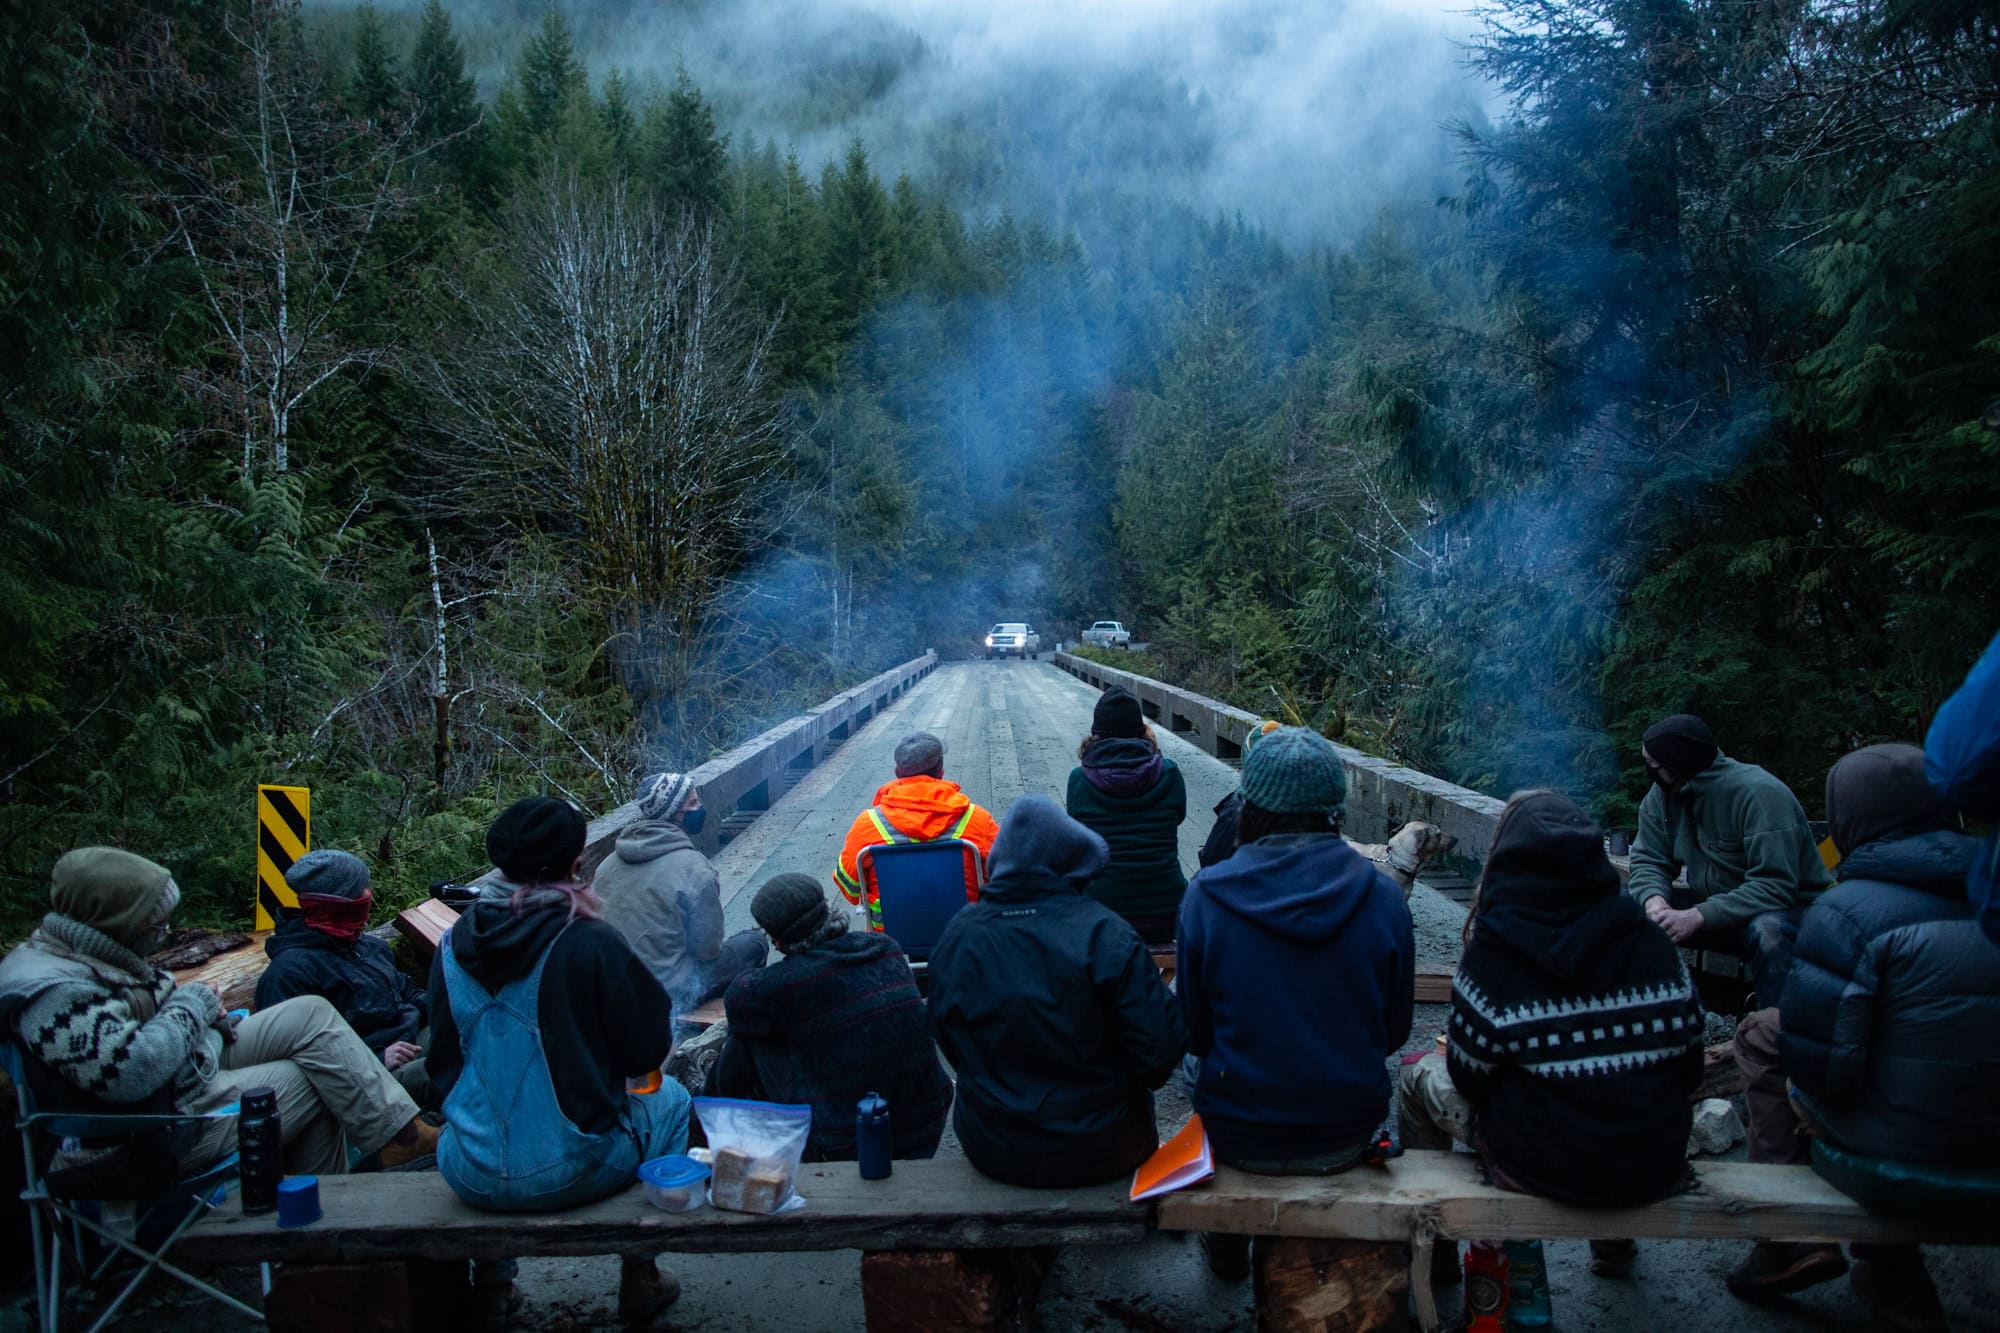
x,y
1008,728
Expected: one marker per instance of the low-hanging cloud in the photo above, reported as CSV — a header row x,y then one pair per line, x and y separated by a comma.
x,y
1305,118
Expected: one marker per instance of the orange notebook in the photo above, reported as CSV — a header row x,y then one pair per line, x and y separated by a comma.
x,y
1181,1161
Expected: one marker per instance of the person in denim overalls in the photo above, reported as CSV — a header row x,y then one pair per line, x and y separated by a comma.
x,y
542,1015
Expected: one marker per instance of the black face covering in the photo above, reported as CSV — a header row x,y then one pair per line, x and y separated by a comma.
x,y
692,820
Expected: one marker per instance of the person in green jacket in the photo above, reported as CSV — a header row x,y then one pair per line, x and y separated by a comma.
x,y
1740,836
1128,793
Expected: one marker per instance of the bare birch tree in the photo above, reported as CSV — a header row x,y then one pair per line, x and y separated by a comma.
x,y
277,230
608,383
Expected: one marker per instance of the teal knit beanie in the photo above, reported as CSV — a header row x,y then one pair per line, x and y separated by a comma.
x,y
1294,771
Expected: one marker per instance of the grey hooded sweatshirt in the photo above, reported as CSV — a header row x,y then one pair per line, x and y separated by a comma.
x,y
664,897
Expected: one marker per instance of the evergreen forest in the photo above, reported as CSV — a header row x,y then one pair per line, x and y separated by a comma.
x,y
435,403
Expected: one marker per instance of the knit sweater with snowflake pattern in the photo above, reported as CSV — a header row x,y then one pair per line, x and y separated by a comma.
x,y
1575,1031
103,1020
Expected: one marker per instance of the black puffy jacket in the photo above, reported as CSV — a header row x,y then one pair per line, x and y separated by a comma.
x,y
1052,1014
1891,1010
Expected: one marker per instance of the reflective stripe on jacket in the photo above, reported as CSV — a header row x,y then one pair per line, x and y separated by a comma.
x,y
914,809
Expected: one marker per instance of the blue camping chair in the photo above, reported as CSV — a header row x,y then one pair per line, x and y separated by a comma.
x,y
921,886
60,1215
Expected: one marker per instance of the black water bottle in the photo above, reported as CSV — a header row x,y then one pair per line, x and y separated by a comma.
x,y
260,1149
871,1137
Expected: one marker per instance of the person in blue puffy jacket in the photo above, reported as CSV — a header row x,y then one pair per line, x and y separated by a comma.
x,y
1962,761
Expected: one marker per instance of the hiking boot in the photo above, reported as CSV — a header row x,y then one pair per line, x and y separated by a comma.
x,y
1779,1268
1228,1255
424,1143
645,1291
1892,1282
1613,1258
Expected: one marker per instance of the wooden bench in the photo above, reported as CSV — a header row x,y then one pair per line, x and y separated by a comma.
x,y
943,1245
933,1233
1341,1260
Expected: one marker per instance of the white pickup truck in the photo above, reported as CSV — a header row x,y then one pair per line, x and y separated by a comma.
x,y
1108,634
1013,637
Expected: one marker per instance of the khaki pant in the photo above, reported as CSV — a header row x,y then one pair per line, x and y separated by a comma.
x,y
1776,1131
330,1086
1431,1112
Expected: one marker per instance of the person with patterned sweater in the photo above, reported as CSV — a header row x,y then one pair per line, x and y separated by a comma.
x,y
1575,1032
104,1030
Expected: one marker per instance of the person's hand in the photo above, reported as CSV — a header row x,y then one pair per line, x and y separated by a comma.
x,y
226,1023
1658,909
1680,925
399,1053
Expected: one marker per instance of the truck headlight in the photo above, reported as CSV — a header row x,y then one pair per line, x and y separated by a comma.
x,y
989,641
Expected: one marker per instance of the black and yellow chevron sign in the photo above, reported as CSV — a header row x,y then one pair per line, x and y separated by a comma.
x,y
284,834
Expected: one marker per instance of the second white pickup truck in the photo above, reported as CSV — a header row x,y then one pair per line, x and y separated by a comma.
x,y
1108,634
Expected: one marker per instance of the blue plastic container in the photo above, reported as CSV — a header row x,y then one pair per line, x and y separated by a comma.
x,y
676,1184
298,1201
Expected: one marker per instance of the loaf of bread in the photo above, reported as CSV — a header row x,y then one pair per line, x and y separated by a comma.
x,y
731,1170
766,1186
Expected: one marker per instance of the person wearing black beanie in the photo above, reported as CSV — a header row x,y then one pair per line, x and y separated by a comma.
x,y
837,1017
1741,838
1128,793
540,1114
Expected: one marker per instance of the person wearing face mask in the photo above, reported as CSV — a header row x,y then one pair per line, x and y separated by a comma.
x,y
103,1030
1740,836
322,948
663,896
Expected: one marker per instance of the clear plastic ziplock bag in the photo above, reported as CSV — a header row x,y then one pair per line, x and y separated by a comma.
x,y
756,1149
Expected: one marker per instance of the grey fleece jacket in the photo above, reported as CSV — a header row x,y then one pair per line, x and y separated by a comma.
x,y
97,1014
1740,835
664,897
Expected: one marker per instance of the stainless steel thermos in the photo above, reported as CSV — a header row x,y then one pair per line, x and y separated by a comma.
x,y
260,1149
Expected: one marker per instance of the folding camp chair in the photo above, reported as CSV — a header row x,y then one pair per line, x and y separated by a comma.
x,y
61,1213
921,886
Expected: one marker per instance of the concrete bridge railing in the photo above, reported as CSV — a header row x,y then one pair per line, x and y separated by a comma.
x,y
1381,796
747,778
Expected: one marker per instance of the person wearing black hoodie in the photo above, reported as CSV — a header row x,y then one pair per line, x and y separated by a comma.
x,y
1297,976
1052,1014
1883,1044
1575,1034
1128,793
540,1013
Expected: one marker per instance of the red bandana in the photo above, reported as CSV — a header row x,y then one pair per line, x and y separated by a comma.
x,y
342,918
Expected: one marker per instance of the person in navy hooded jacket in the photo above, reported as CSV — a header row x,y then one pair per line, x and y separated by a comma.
x,y
1297,976
1962,761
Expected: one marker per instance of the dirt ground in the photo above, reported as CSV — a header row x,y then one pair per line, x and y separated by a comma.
x,y
1012,727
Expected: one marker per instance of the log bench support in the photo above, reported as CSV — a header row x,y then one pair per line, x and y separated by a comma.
x,y
981,1291
1308,1285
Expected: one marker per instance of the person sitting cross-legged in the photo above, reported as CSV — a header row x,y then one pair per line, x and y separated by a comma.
x,y
540,1014
322,948
1297,977
1575,1034
1884,1046
837,1017
1052,1014
104,1031
919,806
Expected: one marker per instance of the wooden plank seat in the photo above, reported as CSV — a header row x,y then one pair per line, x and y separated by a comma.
x,y
938,1204
1362,1224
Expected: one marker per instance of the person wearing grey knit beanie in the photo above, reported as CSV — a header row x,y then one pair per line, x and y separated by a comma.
x,y
663,895
1297,976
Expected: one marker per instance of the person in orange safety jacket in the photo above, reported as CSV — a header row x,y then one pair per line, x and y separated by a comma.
x,y
919,806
